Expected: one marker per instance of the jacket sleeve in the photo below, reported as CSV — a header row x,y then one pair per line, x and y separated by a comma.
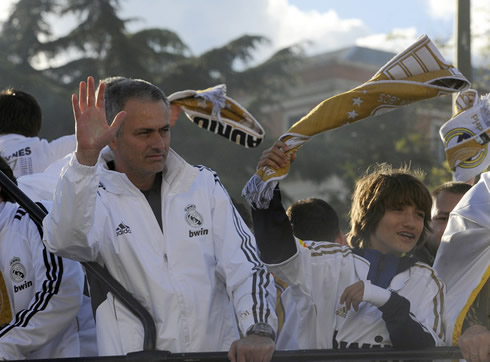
x,y
249,284
405,332
273,231
54,305
416,319
71,224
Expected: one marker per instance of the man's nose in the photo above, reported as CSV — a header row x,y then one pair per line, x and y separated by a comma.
x,y
158,141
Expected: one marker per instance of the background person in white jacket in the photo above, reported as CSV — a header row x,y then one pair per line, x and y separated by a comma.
x,y
20,123
40,294
462,261
167,231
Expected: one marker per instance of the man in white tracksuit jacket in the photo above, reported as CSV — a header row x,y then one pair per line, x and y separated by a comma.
x,y
44,292
462,261
40,293
20,145
180,246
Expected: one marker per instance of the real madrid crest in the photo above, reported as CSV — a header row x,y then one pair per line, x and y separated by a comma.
x,y
17,270
193,217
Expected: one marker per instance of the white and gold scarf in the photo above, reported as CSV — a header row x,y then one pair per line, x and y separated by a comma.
x,y
467,134
214,111
419,72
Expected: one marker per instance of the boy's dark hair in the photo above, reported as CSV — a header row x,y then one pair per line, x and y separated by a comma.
x,y
20,113
380,189
313,219
5,168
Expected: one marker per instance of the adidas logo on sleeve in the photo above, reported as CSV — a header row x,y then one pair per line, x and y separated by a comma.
x,y
123,229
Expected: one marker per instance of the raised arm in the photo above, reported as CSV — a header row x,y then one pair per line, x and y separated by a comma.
x,y
272,228
67,228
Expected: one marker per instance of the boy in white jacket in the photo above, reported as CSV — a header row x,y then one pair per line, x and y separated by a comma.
x,y
371,295
41,293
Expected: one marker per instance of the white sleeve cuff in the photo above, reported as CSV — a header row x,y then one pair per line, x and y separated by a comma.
x,y
375,295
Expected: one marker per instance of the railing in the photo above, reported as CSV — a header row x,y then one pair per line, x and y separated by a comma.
x,y
310,355
150,354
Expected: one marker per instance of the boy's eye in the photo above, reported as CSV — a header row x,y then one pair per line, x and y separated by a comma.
x,y
421,215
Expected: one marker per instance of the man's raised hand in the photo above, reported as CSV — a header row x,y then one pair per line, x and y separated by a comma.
x,y
91,128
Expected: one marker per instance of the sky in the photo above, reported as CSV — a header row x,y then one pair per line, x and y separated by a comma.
x,y
324,25
327,25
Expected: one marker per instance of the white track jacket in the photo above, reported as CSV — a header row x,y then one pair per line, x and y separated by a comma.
x,y
463,258
322,271
197,278
28,155
44,292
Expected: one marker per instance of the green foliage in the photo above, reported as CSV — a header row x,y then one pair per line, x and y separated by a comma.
x,y
100,44
21,32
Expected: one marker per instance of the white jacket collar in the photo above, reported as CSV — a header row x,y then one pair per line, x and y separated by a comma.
x,y
178,175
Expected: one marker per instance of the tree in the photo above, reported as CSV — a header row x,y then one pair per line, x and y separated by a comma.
x,y
103,46
23,30
99,44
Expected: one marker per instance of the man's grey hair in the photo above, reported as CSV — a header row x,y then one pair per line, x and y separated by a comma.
x,y
119,89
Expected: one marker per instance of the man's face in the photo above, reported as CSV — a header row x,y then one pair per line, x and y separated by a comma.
x,y
442,206
141,150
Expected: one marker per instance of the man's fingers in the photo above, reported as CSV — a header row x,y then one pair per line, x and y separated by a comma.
x,y
75,106
90,92
117,122
100,102
82,99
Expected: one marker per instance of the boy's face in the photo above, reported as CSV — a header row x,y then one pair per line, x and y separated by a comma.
x,y
398,230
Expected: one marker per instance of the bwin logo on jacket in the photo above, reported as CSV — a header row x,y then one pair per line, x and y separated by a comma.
x,y
17,270
122,229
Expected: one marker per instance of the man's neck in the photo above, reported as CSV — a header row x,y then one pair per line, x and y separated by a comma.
x,y
142,183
